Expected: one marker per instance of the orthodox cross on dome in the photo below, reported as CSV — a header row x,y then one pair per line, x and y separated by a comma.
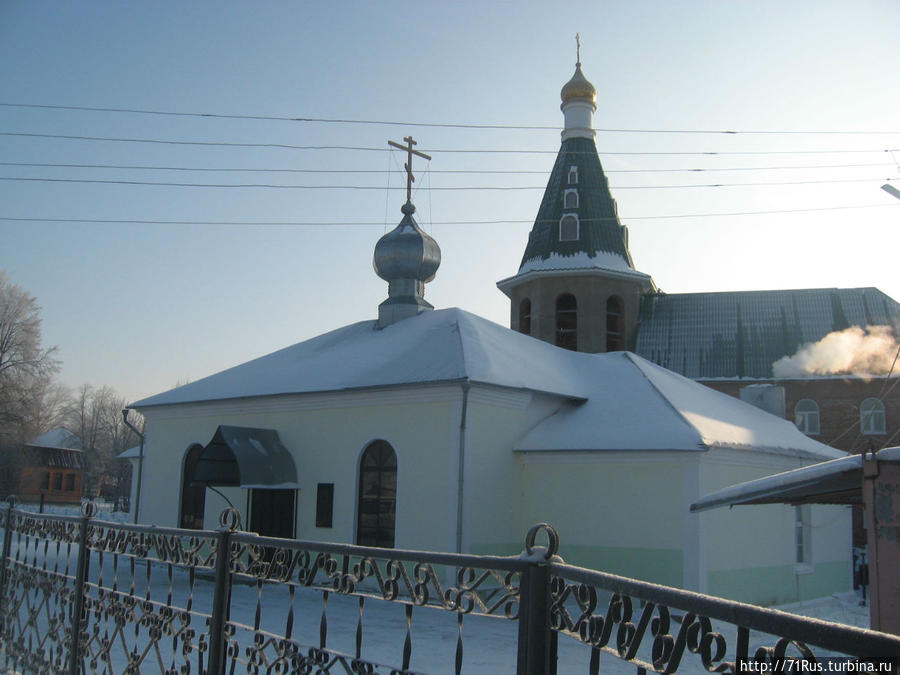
x,y
408,166
578,48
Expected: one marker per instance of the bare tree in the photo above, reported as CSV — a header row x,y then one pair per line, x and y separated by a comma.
x,y
26,367
29,399
96,418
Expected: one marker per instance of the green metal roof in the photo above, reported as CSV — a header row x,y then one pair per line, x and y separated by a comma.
x,y
741,334
600,230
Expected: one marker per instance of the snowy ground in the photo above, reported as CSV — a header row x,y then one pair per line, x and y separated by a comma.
x,y
489,643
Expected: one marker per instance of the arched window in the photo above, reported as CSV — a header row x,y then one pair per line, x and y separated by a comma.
x,y
615,325
570,199
567,322
568,227
525,316
193,496
806,416
871,416
377,508
573,175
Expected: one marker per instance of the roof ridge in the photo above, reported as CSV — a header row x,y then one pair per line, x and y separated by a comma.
x,y
630,356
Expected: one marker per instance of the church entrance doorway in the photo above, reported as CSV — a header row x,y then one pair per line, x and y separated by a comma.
x,y
377,508
272,512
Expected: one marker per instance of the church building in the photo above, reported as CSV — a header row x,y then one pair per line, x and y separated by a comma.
x,y
421,429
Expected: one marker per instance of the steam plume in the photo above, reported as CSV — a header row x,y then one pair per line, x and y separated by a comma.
x,y
851,351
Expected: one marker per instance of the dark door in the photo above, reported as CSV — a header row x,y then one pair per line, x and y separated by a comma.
x,y
272,513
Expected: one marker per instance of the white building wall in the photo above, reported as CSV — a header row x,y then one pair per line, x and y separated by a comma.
x,y
492,499
750,551
326,435
619,512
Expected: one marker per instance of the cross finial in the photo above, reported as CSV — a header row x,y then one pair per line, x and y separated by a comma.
x,y
408,166
578,49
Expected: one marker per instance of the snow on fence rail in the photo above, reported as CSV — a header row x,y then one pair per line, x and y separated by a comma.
x,y
151,599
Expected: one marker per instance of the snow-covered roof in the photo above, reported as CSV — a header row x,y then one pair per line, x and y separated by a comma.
x,y
435,346
637,405
833,482
611,401
578,261
57,438
130,453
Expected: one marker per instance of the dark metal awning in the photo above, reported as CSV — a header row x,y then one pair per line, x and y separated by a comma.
x,y
248,458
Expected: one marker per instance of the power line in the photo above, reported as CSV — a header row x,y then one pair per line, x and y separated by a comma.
x,y
450,125
474,188
205,143
436,150
144,167
505,221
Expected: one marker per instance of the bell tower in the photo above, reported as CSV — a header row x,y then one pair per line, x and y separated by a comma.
x,y
577,286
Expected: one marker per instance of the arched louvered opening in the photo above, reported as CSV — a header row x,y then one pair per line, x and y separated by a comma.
x,y
615,325
525,316
568,228
567,322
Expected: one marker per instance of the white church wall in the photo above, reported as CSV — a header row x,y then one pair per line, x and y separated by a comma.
x,y
326,435
497,419
620,512
750,551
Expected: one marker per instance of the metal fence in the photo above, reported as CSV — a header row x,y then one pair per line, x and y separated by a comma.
x,y
81,595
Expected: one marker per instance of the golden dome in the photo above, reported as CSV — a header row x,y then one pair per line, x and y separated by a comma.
x,y
578,88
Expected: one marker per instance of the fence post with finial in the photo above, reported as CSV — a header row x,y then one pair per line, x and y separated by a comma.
x,y
230,522
537,642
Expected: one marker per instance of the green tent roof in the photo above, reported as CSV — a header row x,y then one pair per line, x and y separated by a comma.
x,y
741,334
600,230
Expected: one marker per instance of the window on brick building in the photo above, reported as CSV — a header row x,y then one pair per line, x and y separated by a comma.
x,y
45,480
57,481
871,416
806,416
70,482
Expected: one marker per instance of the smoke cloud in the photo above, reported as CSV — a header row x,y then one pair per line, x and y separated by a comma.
x,y
851,351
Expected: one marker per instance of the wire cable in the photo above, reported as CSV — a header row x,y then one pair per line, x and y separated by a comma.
x,y
146,167
514,151
449,125
455,188
504,221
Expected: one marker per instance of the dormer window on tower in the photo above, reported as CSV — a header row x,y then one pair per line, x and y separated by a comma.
x,y
569,227
573,175
570,199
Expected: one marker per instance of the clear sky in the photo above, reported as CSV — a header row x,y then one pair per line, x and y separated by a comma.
x,y
141,307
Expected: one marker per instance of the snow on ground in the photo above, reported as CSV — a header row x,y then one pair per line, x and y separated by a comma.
x,y
489,643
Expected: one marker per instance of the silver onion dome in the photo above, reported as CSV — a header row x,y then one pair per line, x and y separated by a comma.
x,y
407,258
